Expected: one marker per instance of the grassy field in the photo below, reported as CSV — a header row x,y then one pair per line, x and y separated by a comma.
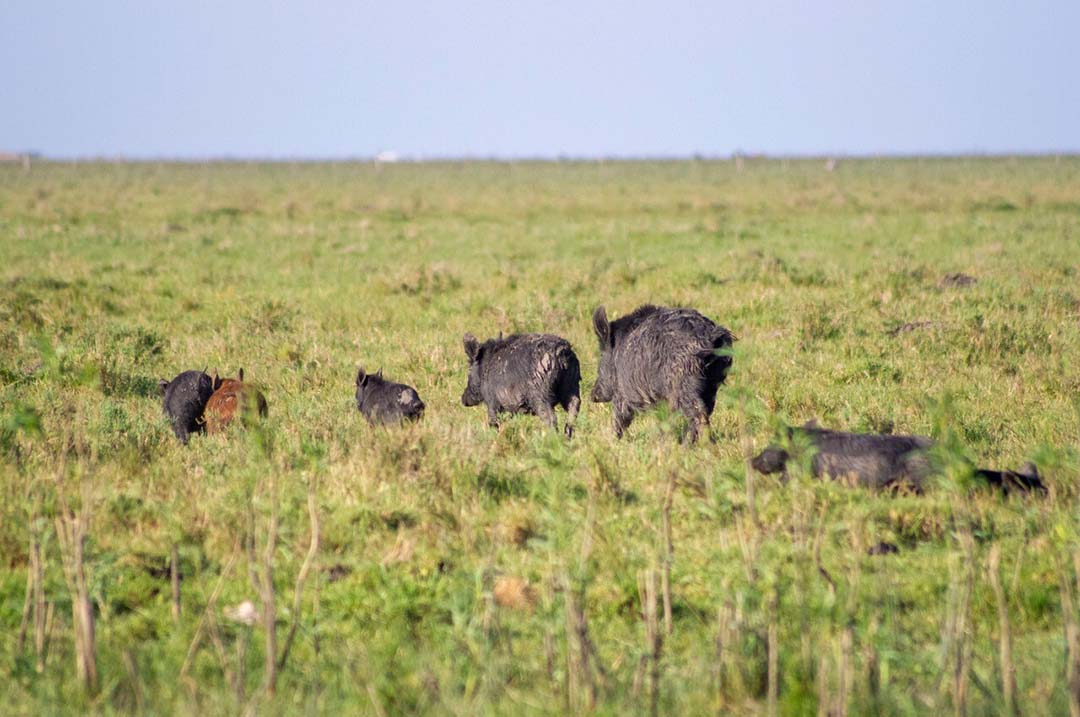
x,y
464,570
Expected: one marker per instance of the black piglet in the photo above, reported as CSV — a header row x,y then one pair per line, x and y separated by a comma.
x,y
383,401
185,400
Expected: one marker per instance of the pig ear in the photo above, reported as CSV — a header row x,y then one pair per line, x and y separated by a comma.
x,y
241,375
472,346
361,377
162,384
601,325
217,381
812,423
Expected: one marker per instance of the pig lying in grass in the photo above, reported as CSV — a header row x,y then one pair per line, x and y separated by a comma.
x,y
879,461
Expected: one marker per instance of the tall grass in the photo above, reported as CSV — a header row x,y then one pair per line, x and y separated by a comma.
x,y
450,568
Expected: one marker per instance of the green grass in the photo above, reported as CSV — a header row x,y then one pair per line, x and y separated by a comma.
x,y
115,275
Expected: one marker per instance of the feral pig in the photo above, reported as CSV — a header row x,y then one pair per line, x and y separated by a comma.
x,y
382,401
660,354
1024,480
185,400
878,461
233,397
524,373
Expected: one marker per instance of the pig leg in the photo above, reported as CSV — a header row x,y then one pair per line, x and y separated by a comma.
x,y
694,409
694,430
546,412
493,417
572,407
623,415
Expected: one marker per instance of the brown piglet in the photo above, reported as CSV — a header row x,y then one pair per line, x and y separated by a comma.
x,y
231,398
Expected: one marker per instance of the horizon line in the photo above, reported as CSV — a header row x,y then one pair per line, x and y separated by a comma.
x,y
390,157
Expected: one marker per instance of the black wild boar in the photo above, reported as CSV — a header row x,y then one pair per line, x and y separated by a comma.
x,y
383,401
524,373
185,400
1024,480
878,461
875,461
660,354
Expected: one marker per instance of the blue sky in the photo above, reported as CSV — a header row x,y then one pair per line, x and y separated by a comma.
x,y
326,78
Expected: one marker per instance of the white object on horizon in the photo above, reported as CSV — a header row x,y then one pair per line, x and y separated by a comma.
x,y
387,156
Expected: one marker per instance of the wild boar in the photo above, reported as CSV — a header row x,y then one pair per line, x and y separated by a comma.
x,y
880,461
524,373
883,548
661,354
874,461
1024,480
232,398
382,401
185,400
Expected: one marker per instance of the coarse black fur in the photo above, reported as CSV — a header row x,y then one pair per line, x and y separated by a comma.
x,y
1024,480
661,354
878,461
386,402
883,548
185,400
874,461
524,373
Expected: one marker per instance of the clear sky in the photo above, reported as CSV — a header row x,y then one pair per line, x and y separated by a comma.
x,y
330,78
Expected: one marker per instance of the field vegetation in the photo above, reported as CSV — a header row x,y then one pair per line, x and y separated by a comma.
x,y
310,563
